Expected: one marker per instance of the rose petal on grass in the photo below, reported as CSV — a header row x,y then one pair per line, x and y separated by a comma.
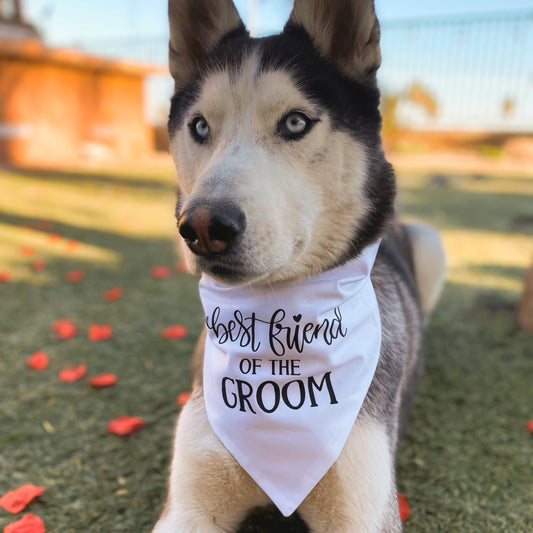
x,y
64,329
72,245
105,379
176,332
161,272
17,500
38,265
183,398
530,426
99,332
125,425
54,237
5,276
38,360
72,373
181,267
113,294
27,250
73,276
403,504
29,523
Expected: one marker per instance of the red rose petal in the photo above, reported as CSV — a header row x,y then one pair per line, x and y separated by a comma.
x,y
161,272
5,276
38,265
176,332
72,245
530,425
27,251
64,329
73,276
183,398
17,500
99,332
125,425
103,380
72,373
38,360
403,504
113,294
181,267
29,523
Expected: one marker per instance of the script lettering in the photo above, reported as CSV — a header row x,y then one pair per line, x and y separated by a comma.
x,y
240,329
296,336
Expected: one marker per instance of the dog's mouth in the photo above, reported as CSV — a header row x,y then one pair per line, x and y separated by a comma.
x,y
218,244
223,270
221,245
227,273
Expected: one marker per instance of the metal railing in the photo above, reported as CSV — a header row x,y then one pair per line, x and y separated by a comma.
x,y
462,72
144,49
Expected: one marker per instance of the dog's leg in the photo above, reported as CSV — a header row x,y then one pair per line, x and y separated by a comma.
x,y
430,264
209,492
358,494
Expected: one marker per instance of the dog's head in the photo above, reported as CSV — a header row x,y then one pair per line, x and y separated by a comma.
x,y
276,141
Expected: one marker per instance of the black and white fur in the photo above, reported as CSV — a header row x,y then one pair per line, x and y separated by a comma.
x,y
282,175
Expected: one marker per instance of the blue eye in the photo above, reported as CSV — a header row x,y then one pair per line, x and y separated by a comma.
x,y
295,125
199,129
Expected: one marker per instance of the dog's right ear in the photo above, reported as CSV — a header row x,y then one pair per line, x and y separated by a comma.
x,y
196,26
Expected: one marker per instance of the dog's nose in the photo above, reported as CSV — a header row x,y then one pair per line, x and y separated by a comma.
x,y
211,230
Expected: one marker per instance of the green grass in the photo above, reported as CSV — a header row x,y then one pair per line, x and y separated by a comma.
x,y
466,464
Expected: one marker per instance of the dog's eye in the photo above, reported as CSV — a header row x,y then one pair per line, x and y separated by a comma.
x,y
294,125
199,129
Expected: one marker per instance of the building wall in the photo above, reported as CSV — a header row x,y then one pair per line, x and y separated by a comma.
x,y
53,114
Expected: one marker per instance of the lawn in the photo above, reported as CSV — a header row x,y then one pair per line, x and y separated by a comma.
x,y
466,464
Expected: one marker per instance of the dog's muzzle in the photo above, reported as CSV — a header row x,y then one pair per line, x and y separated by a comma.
x,y
211,230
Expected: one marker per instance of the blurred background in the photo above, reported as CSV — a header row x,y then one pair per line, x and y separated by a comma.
x,y
456,76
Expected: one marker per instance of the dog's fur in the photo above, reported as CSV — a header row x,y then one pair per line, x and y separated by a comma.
x,y
309,204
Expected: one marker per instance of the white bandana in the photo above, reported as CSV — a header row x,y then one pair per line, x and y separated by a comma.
x,y
286,371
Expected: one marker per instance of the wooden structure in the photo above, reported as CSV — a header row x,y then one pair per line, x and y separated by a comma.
x,y
63,107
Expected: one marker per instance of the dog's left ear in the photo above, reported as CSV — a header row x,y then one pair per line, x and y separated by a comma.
x,y
346,32
196,26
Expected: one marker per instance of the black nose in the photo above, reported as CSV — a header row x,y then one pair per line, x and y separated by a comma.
x,y
211,229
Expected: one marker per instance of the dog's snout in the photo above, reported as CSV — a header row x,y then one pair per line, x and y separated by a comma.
x,y
211,230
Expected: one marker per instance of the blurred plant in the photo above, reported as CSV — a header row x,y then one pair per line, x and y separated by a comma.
x,y
490,150
389,106
421,96
414,94
508,107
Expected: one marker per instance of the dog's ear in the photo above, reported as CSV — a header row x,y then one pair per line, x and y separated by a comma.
x,y
346,32
196,26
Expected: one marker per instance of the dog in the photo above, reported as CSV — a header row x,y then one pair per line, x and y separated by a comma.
x,y
282,179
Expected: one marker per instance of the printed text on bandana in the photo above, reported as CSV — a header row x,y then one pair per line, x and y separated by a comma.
x,y
287,338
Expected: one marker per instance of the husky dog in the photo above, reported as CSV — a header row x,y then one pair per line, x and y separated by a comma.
x,y
282,177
